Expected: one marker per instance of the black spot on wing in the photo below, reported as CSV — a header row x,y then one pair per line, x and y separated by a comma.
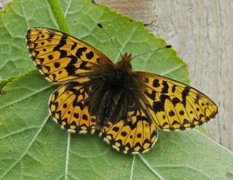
x,y
85,117
80,51
123,133
83,66
171,113
50,57
51,35
115,129
73,46
181,112
173,88
90,55
70,68
159,105
151,95
76,115
61,43
63,53
185,93
175,101
156,83
56,64
165,87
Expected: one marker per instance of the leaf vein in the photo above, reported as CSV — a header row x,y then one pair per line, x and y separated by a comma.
x,y
132,168
25,97
150,168
67,156
19,131
27,149
68,7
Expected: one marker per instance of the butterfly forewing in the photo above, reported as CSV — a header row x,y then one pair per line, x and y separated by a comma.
x,y
173,105
61,57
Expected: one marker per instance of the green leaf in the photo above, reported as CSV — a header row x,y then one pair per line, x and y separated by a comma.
x,y
32,146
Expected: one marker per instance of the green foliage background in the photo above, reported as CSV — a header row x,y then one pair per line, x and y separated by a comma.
x,y
32,146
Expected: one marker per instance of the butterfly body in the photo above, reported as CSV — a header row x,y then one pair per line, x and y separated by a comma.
x,y
114,90
126,107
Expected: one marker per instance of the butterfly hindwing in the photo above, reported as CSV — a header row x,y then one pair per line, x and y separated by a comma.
x,y
61,57
68,107
173,105
133,135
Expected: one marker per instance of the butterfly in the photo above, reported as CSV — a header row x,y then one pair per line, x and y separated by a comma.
x,y
125,107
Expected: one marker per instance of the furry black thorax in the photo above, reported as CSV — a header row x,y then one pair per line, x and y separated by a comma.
x,y
114,91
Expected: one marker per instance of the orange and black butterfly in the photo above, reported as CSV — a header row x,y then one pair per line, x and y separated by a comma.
x,y
126,107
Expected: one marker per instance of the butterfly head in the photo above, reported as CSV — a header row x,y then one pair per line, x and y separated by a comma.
x,y
127,57
125,62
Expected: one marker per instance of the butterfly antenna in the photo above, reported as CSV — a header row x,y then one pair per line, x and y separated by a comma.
x,y
109,37
154,50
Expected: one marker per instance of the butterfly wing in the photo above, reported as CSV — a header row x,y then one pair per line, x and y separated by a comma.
x,y
173,105
133,135
61,57
68,107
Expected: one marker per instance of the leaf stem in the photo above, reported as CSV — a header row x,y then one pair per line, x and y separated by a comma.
x,y
59,15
